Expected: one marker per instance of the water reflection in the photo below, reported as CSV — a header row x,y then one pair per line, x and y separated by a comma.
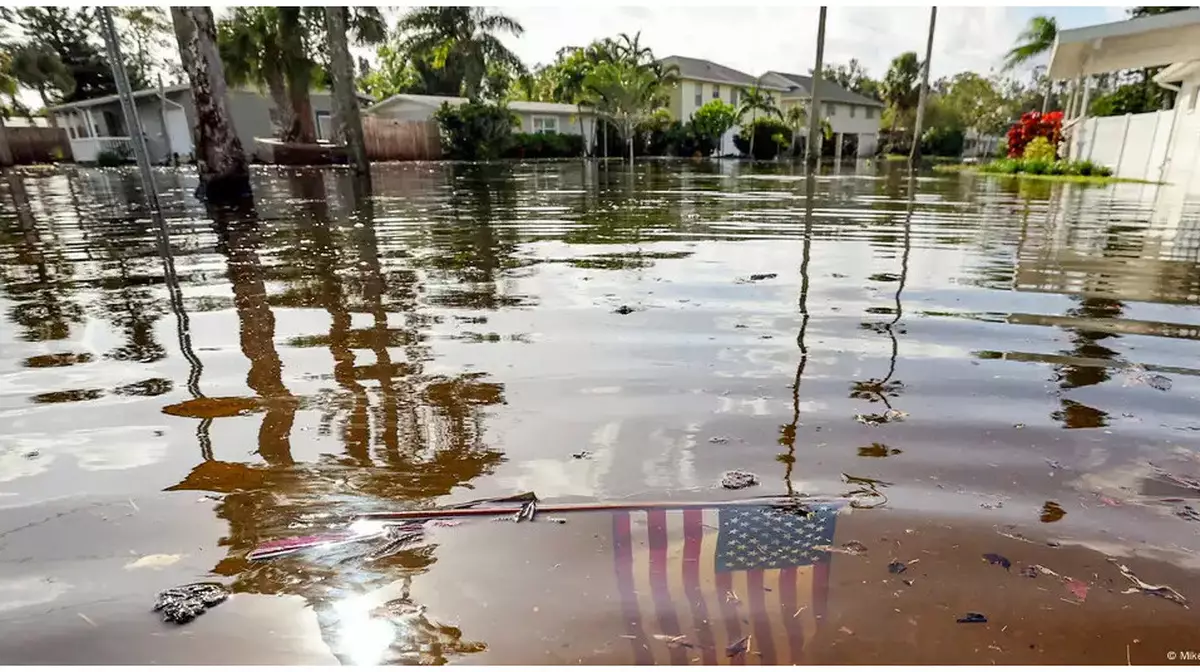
x,y
342,345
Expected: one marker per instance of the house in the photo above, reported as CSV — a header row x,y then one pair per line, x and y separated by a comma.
x,y
1158,146
849,113
533,117
701,81
167,117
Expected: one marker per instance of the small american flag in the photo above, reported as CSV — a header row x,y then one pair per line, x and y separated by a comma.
x,y
714,575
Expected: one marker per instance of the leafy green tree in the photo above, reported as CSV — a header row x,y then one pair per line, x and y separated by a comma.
x,y
754,100
475,131
147,44
1037,38
252,53
38,67
463,39
900,90
624,94
71,34
852,77
974,100
711,122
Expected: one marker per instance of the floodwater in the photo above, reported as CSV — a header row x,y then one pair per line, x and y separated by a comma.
x,y
957,366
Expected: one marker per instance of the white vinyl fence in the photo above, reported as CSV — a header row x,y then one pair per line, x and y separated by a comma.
x,y
1133,145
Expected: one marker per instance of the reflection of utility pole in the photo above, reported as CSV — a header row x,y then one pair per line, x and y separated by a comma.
x,y
133,124
811,157
788,432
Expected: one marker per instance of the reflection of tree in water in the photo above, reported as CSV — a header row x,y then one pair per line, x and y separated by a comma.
x,y
35,271
1086,345
427,437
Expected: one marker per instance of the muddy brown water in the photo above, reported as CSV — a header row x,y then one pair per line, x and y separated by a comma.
x,y
978,366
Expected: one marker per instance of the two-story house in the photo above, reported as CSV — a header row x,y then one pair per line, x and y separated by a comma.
x,y
848,113
701,81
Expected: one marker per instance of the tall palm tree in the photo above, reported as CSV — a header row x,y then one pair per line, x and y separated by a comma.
x,y
752,101
571,71
464,37
1037,39
900,90
630,49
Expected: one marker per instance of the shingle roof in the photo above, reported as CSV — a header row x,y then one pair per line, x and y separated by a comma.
x,y
698,68
829,91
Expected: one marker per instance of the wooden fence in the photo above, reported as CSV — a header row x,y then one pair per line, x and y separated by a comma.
x,y
34,144
394,140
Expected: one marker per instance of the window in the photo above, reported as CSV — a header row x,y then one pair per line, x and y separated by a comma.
x,y
324,125
545,124
699,95
830,109
852,110
870,112
733,96
716,92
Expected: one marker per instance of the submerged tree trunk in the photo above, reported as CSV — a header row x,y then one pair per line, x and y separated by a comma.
x,y
222,162
753,118
348,125
279,96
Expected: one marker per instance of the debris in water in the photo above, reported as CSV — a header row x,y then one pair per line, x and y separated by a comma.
x,y
1054,464
846,630
1188,512
1136,373
973,617
875,419
896,567
854,547
737,479
989,505
560,521
182,604
582,455
33,454
907,582
1052,512
1165,592
623,310
1108,501
1185,482
527,512
154,561
1029,571
997,559
1078,588
740,646
718,439
674,641
755,277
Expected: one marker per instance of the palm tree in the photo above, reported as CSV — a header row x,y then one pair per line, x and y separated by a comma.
x,y
900,90
630,50
625,94
462,37
1037,38
797,118
571,71
752,101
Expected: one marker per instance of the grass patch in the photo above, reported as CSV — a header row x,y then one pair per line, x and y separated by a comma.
x,y
1083,172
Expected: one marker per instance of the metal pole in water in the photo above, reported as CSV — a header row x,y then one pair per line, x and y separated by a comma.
x,y
915,152
812,155
132,122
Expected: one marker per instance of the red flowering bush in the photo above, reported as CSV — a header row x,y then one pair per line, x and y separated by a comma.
x,y
1034,125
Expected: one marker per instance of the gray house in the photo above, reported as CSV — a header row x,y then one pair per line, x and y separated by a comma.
x,y
168,116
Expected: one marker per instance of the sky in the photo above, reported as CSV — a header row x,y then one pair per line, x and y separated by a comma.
x,y
756,39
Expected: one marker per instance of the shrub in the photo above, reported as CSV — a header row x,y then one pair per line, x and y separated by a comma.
x,y
771,136
544,146
1043,166
1039,148
942,141
1033,125
475,131
709,123
118,155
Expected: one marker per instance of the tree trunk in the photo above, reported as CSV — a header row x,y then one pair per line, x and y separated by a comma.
x,y
348,125
279,96
50,116
606,141
582,132
753,118
219,155
298,71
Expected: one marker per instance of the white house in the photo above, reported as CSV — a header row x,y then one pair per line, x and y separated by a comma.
x,y
701,81
167,117
1156,146
848,113
533,117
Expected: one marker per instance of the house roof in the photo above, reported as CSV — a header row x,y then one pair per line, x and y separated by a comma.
x,y
1125,45
707,71
530,106
145,93
830,91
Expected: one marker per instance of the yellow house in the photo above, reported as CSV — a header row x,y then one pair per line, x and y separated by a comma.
x,y
701,81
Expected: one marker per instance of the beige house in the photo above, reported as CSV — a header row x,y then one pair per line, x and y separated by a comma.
x,y
533,117
701,81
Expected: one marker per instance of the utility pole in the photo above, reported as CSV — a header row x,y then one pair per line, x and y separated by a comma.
x,y
915,152
345,100
811,157
133,124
